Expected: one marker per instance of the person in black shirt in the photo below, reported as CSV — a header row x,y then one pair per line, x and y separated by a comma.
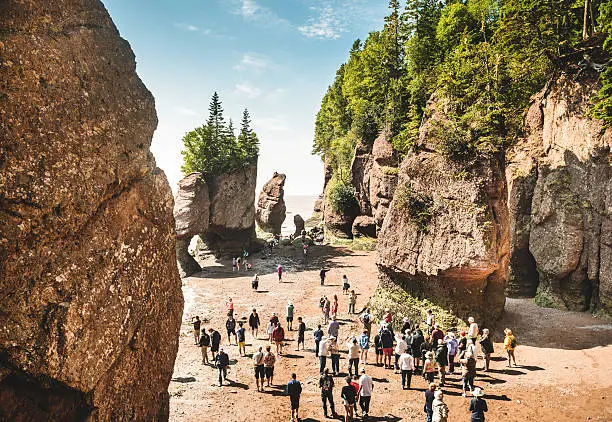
x,y
429,398
349,399
294,390
204,344
222,362
230,326
386,339
254,323
326,384
322,275
417,341
196,329
478,406
318,336
215,341
301,330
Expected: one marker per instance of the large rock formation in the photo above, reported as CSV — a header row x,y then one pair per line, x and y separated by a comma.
x,y
90,296
560,200
299,224
445,236
271,209
192,216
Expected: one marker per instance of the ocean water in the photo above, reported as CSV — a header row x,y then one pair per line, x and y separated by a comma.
x,y
297,204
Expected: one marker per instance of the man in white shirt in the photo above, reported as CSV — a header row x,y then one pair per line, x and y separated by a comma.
x,y
400,348
406,364
324,352
365,392
353,354
473,330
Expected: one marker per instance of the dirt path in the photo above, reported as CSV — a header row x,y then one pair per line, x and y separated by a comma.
x,y
565,372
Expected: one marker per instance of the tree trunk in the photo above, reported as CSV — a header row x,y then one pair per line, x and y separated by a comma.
x,y
586,28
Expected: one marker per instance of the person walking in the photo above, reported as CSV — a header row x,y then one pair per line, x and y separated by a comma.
x,y
366,319
278,336
230,307
333,328
258,367
353,355
326,307
318,336
366,385
510,344
439,408
204,344
355,384
254,323
406,365
221,363
301,333
487,348
334,352
294,390
429,398
289,315
478,406
334,307
452,345
429,367
241,337
326,384
349,399
269,361
279,271
234,262
352,300
364,346
473,330
255,282
468,372
345,284
196,328
417,341
322,275
442,360
386,340
324,353
400,348
215,342
230,326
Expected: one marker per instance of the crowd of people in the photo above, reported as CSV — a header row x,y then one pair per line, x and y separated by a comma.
x,y
418,348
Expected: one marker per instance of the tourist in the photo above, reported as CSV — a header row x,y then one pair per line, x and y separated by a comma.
x,y
301,332
487,348
352,300
324,353
333,328
279,271
255,282
468,372
240,334
425,347
321,303
326,307
436,334
478,406
204,343
258,366
355,384
510,344
417,341
278,336
289,315
230,326
365,392
406,325
254,323
269,361
196,328
334,352
366,319
378,350
429,398
429,367
215,342
473,330
386,341
406,365
230,307
364,345
430,320
294,390
326,384
345,284
245,255
349,399
388,317
238,262
222,362
322,275
334,308
318,336
400,347
462,347
442,360
439,408
353,356
234,264
452,345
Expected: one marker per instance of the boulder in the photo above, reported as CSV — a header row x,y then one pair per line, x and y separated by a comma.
x,y
90,294
192,216
560,200
298,221
271,209
339,224
364,226
445,236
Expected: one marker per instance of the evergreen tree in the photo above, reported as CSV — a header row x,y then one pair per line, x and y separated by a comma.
x,y
248,144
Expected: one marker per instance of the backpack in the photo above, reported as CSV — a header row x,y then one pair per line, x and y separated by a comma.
x,y
513,342
366,318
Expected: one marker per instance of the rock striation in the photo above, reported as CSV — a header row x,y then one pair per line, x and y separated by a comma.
x,y
271,209
445,236
560,201
90,297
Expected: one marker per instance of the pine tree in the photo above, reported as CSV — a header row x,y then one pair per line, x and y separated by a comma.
x,y
248,144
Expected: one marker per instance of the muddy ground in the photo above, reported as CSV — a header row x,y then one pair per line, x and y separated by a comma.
x,y
565,358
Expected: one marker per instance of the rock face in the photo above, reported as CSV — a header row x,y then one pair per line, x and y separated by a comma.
x,y
90,295
445,236
271,210
192,216
298,221
364,226
560,200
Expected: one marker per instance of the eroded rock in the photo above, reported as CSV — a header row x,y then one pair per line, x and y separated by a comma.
x,y
298,221
90,295
271,209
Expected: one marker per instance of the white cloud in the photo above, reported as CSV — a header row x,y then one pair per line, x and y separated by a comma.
x,y
184,110
246,88
252,11
328,24
254,62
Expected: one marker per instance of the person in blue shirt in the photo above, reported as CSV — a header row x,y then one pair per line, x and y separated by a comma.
x,y
240,334
294,390
364,345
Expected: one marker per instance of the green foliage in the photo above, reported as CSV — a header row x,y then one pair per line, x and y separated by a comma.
x,y
341,196
213,148
418,206
603,102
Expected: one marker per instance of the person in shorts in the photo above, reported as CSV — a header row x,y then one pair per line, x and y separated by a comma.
x,y
269,361
204,344
289,315
258,366
215,342
196,328
301,332
294,390
230,326
386,340
349,399
241,336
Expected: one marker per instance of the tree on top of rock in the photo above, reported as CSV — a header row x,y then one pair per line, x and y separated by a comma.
x,y
248,143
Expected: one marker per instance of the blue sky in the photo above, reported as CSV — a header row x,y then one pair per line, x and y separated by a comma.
x,y
276,58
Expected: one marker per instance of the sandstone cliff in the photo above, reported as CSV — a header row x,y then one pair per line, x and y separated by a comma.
x,y
90,298
445,236
271,209
560,200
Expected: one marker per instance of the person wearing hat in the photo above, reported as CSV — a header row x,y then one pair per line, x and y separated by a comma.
x,y
366,385
429,367
406,325
452,345
510,345
439,408
289,315
478,406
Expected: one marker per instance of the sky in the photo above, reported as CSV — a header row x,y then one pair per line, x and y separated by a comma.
x,y
274,57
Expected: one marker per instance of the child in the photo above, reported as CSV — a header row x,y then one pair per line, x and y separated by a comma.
x,y
241,339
